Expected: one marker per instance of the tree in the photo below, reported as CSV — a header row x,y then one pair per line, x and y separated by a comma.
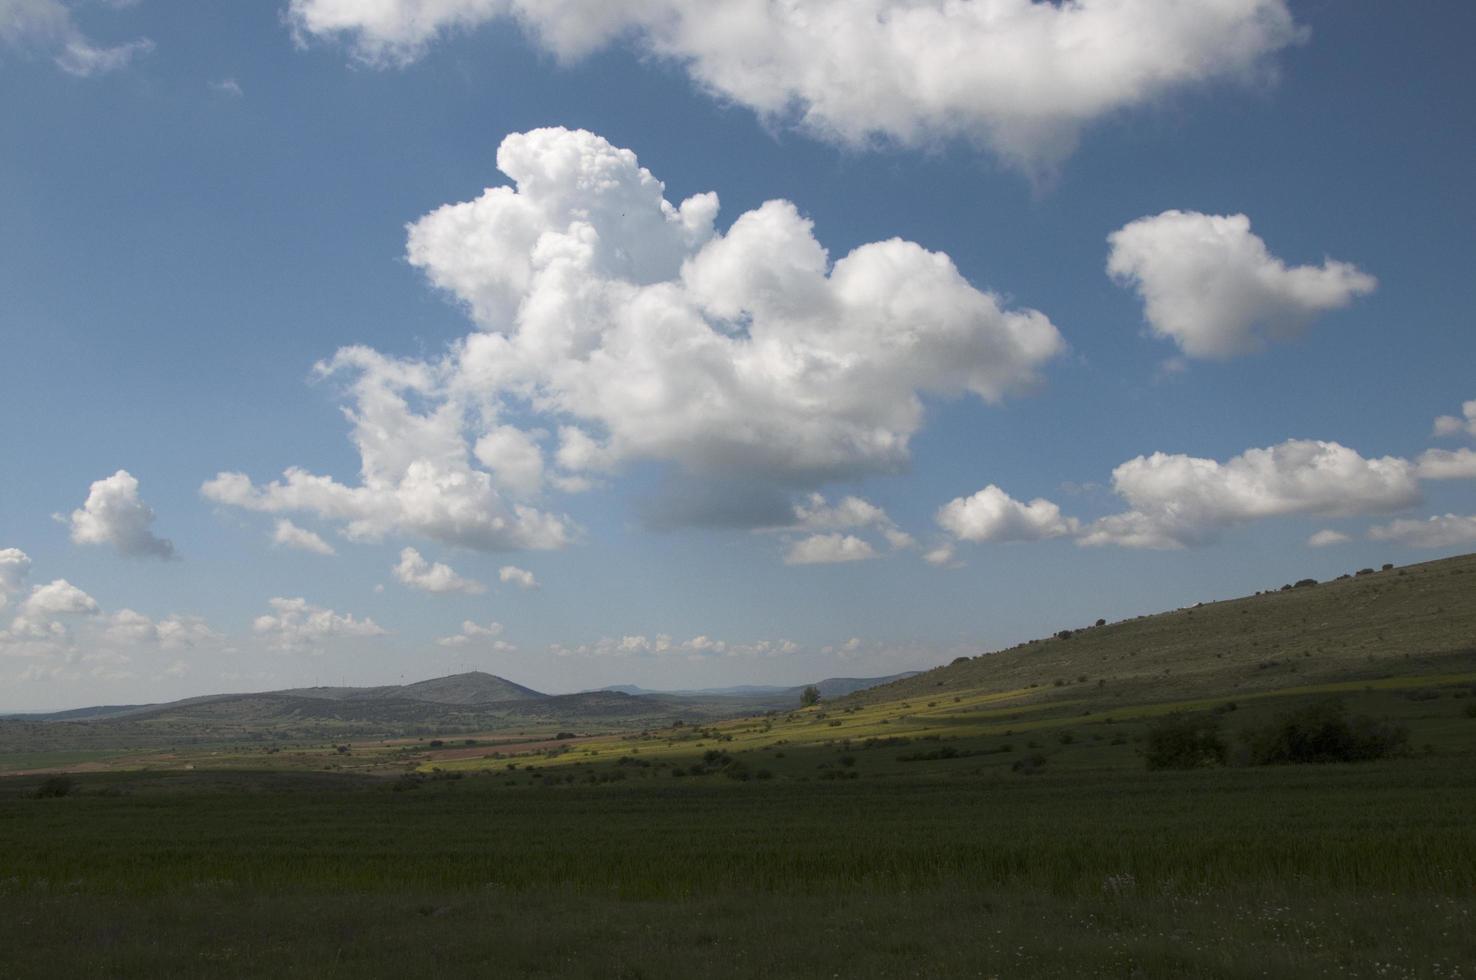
x,y
809,696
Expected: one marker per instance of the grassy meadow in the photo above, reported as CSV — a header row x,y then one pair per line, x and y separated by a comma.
x,y
994,817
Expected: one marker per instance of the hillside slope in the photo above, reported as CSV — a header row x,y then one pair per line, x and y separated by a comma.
x,y
1415,619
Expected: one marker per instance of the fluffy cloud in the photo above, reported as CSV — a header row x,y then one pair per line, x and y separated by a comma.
x,y
1444,531
1326,538
942,556
1451,425
992,515
417,573
1021,77
294,624
38,617
617,327
58,598
1180,500
697,648
171,633
1445,464
825,549
513,458
15,565
1212,287
289,535
113,514
471,632
817,514
417,476
47,27
746,356
822,519
520,577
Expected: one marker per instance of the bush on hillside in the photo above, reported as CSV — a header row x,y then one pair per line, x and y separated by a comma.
x,y
1030,765
1184,742
1323,732
54,787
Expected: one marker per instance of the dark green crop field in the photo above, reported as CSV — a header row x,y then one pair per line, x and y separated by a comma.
x,y
1333,870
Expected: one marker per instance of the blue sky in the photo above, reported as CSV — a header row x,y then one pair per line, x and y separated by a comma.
x,y
199,203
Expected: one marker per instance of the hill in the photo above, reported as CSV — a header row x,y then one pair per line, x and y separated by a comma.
x,y
1367,625
472,687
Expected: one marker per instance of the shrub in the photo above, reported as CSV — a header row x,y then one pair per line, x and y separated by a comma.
x,y
1030,765
1323,732
1387,566
55,787
1303,583
1365,571
810,695
1101,622
1064,635
1469,711
1181,742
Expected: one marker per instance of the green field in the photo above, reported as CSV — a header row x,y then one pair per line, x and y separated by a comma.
x,y
991,818
1322,870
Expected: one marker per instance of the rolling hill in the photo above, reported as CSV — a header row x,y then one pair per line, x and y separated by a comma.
x,y
472,702
1417,619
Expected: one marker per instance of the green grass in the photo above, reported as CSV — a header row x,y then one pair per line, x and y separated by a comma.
x,y
1321,869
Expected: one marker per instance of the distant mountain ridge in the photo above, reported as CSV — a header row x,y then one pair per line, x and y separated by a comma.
x,y
831,687
466,701
472,687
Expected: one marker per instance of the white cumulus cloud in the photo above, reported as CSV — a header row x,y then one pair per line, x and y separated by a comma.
x,y
1326,538
1178,500
826,549
417,573
288,535
1464,424
15,565
624,328
520,577
471,631
817,515
58,598
1020,77
749,360
993,515
1211,285
295,624
173,632
1446,464
114,514
1443,531
417,476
